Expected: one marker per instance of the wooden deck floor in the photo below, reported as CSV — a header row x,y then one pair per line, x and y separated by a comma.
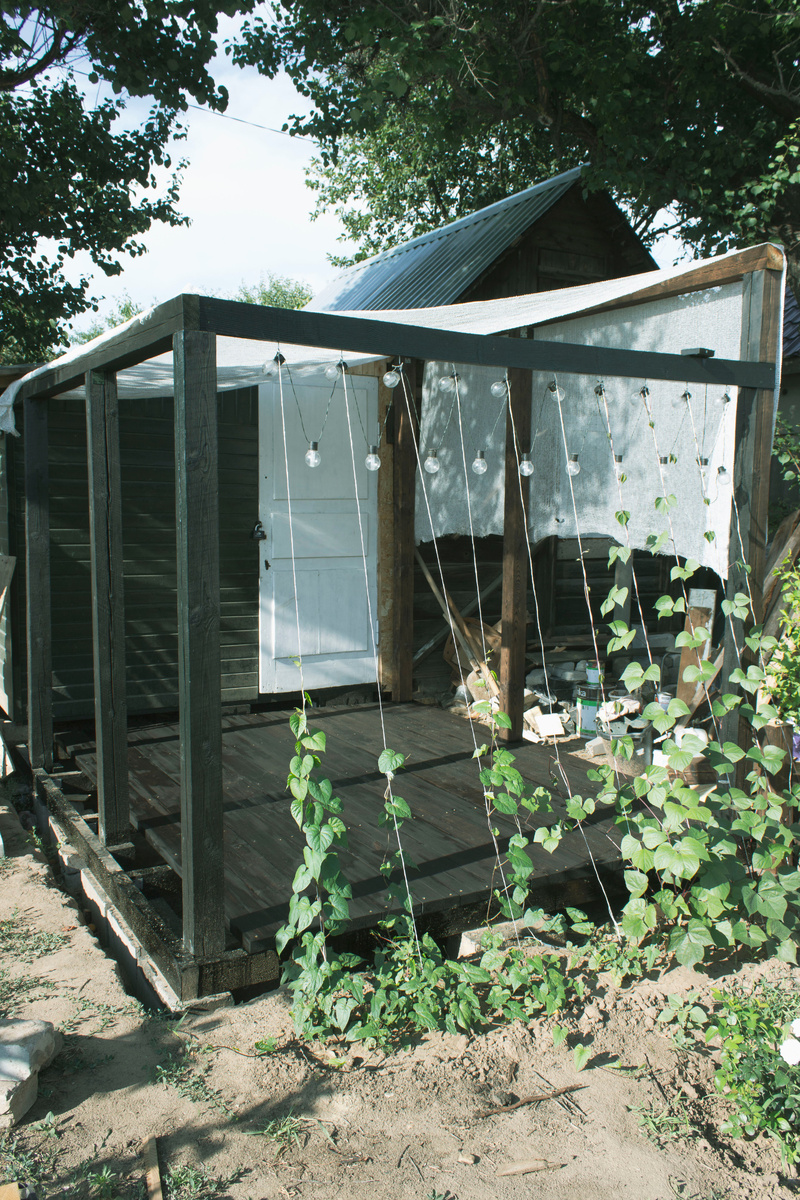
x,y
449,839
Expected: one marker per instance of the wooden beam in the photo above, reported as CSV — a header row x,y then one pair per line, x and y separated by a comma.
x,y
233,318
108,605
755,416
150,336
404,466
515,553
197,516
37,580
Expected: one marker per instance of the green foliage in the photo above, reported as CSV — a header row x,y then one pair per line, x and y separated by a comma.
x,y
782,679
19,940
187,1182
690,108
279,291
74,170
764,1090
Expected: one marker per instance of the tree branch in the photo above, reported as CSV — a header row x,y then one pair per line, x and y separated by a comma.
x,y
782,99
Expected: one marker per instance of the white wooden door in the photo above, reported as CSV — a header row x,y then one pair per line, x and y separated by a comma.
x,y
337,635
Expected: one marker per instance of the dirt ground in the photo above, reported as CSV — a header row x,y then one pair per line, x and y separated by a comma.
x,y
239,1120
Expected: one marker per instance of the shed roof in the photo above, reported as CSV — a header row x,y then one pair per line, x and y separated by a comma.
x,y
435,268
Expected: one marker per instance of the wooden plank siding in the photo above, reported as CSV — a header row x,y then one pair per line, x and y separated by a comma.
x,y
148,521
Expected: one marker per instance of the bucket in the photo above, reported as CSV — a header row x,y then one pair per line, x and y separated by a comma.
x,y
588,696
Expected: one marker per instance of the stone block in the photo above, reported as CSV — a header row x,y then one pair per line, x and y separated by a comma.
x,y
16,1097
26,1047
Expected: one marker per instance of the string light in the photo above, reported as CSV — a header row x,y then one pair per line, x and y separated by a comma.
x,y
525,465
313,457
724,478
558,393
432,463
479,463
272,368
447,383
618,468
392,376
333,370
372,462
703,465
499,388
573,466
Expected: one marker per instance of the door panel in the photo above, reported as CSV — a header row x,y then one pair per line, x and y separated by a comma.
x,y
314,536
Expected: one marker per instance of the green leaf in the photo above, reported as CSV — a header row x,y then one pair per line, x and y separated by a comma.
x,y
689,944
559,1034
581,1055
390,762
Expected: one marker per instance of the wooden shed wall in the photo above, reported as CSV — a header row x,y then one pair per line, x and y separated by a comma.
x,y
148,488
577,241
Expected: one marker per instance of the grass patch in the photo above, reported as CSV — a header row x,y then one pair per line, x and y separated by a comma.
x,y
20,940
186,1072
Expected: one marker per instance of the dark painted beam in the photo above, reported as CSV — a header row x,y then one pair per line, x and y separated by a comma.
x,y
405,473
37,580
365,335
108,605
515,553
197,515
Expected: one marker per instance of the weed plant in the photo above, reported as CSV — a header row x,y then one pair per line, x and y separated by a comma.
x,y
18,939
186,1071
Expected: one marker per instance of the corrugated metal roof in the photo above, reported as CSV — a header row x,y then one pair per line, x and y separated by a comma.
x,y
436,267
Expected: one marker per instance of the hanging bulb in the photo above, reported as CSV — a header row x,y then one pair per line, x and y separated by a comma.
x,y
525,465
372,462
618,468
332,371
313,457
724,478
273,367
573,466
432,463
392,377
644,392
479,464
558,393
499,388
703,465
726,398
447,383
600,389
687,395
664,460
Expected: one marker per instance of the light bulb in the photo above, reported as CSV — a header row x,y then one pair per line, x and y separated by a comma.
x,y
372,462
273,367
619,470
498,388
332,371
726,399
573,466
525,465
687,395
703,465
432,463
447,383
392,377
724,478
313,457
479,464
600,390
558,393
643,392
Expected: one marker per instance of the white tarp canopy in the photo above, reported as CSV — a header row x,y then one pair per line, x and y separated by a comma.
x,y
618,313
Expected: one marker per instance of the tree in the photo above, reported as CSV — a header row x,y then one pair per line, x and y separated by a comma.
x,y
277,290
73,174
687,106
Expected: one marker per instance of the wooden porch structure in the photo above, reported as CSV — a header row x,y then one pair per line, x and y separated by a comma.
x,y
188,326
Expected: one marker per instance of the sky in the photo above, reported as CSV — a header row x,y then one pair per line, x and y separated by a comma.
x,y
244,191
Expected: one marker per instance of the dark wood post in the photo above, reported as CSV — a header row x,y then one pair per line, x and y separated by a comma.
x,y
37,576
405,474
515,553
108,604
197,518
755,414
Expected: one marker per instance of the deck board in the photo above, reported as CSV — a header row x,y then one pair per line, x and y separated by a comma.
x,y
449,839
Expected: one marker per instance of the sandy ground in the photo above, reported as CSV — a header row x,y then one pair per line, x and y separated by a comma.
x,y
286,1119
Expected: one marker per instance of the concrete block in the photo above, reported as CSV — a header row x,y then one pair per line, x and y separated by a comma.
x,y
26,1047
16,1097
